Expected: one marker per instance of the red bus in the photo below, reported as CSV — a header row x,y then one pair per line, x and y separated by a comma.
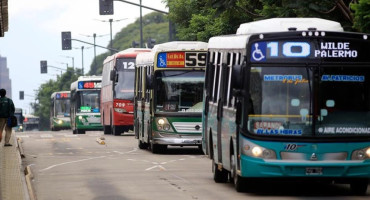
x,y
117,92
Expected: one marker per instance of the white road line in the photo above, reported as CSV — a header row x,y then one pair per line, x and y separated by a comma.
x,y
70,136
65,163
23,136
155,166
46,136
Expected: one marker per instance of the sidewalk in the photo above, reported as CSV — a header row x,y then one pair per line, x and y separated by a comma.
x,y
12,179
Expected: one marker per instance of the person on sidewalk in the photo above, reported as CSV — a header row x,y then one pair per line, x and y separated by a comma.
x,y
6,110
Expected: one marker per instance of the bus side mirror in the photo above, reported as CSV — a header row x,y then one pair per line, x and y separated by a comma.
x,y
113,75
236,76
149,81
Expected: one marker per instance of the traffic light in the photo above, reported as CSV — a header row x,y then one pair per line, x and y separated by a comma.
x,y
21,95
44,66
106,7
66,41
151,42
134,44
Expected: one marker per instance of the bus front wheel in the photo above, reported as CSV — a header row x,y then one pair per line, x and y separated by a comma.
x,y
239,182
359,187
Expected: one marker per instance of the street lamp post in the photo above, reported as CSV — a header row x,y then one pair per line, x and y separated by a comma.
x,y
111,32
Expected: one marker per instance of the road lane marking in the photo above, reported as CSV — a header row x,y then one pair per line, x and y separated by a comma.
x,y
65,163
46,136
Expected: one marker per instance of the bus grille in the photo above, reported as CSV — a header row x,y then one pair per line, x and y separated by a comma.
x,y
188,127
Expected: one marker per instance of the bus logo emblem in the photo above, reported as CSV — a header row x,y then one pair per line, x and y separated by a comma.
x,y
313,157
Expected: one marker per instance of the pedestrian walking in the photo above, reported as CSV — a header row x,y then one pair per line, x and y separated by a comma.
x,y
6,110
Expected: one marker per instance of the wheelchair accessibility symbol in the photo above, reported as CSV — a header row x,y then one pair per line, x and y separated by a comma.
x,y
257,53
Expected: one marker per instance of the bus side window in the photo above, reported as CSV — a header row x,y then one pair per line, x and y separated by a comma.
x,y
226,80
139,84
215,77
210,76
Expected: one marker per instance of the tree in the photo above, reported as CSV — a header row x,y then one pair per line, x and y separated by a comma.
x,y
361,15
202,19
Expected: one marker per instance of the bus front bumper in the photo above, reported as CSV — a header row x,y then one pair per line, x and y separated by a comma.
x,y
176,139
252,167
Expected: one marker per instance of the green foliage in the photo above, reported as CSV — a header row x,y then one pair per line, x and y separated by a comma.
x,y
155,25
202,19
42,109
362,15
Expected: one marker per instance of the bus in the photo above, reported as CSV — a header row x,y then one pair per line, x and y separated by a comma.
x,y
85,104
117,92
19,114
59,110
288,99
168,95
31,123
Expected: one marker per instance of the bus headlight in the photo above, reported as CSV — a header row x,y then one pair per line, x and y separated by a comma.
x,y
254,150
80,117
361,154
163,124
60,122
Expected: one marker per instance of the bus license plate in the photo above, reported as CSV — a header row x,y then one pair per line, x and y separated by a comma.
x,y
314,171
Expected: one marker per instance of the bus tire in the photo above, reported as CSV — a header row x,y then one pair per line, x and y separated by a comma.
x,y
80,131
359,186
157,148
116,130
142,145
238,181
107,130
74,131
219,176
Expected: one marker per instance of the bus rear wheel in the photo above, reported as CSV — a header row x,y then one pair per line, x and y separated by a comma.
x,y
359,187
142,145
219,176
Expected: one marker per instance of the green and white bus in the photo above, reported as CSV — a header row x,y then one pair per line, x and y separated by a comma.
x,y
85,104
169,95
289,99
60,108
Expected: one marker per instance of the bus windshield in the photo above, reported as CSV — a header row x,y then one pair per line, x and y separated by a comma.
x,y
89,101
284,99
62,107
124,87
179,91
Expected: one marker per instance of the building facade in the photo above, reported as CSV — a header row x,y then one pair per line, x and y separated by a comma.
x,y
5,81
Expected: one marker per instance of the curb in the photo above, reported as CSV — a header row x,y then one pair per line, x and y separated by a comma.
x,y
29,176
19,143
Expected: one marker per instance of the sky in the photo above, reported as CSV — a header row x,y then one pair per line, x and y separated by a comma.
x,y
34,34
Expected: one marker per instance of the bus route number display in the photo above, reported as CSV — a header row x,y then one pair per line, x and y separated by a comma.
x,y
291,50
181,59
62,95
89,85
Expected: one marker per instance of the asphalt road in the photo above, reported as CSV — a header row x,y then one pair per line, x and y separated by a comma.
x,y
77,167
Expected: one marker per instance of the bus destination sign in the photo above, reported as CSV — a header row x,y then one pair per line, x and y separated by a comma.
x,y
62,95
181,59
331,50
89,85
